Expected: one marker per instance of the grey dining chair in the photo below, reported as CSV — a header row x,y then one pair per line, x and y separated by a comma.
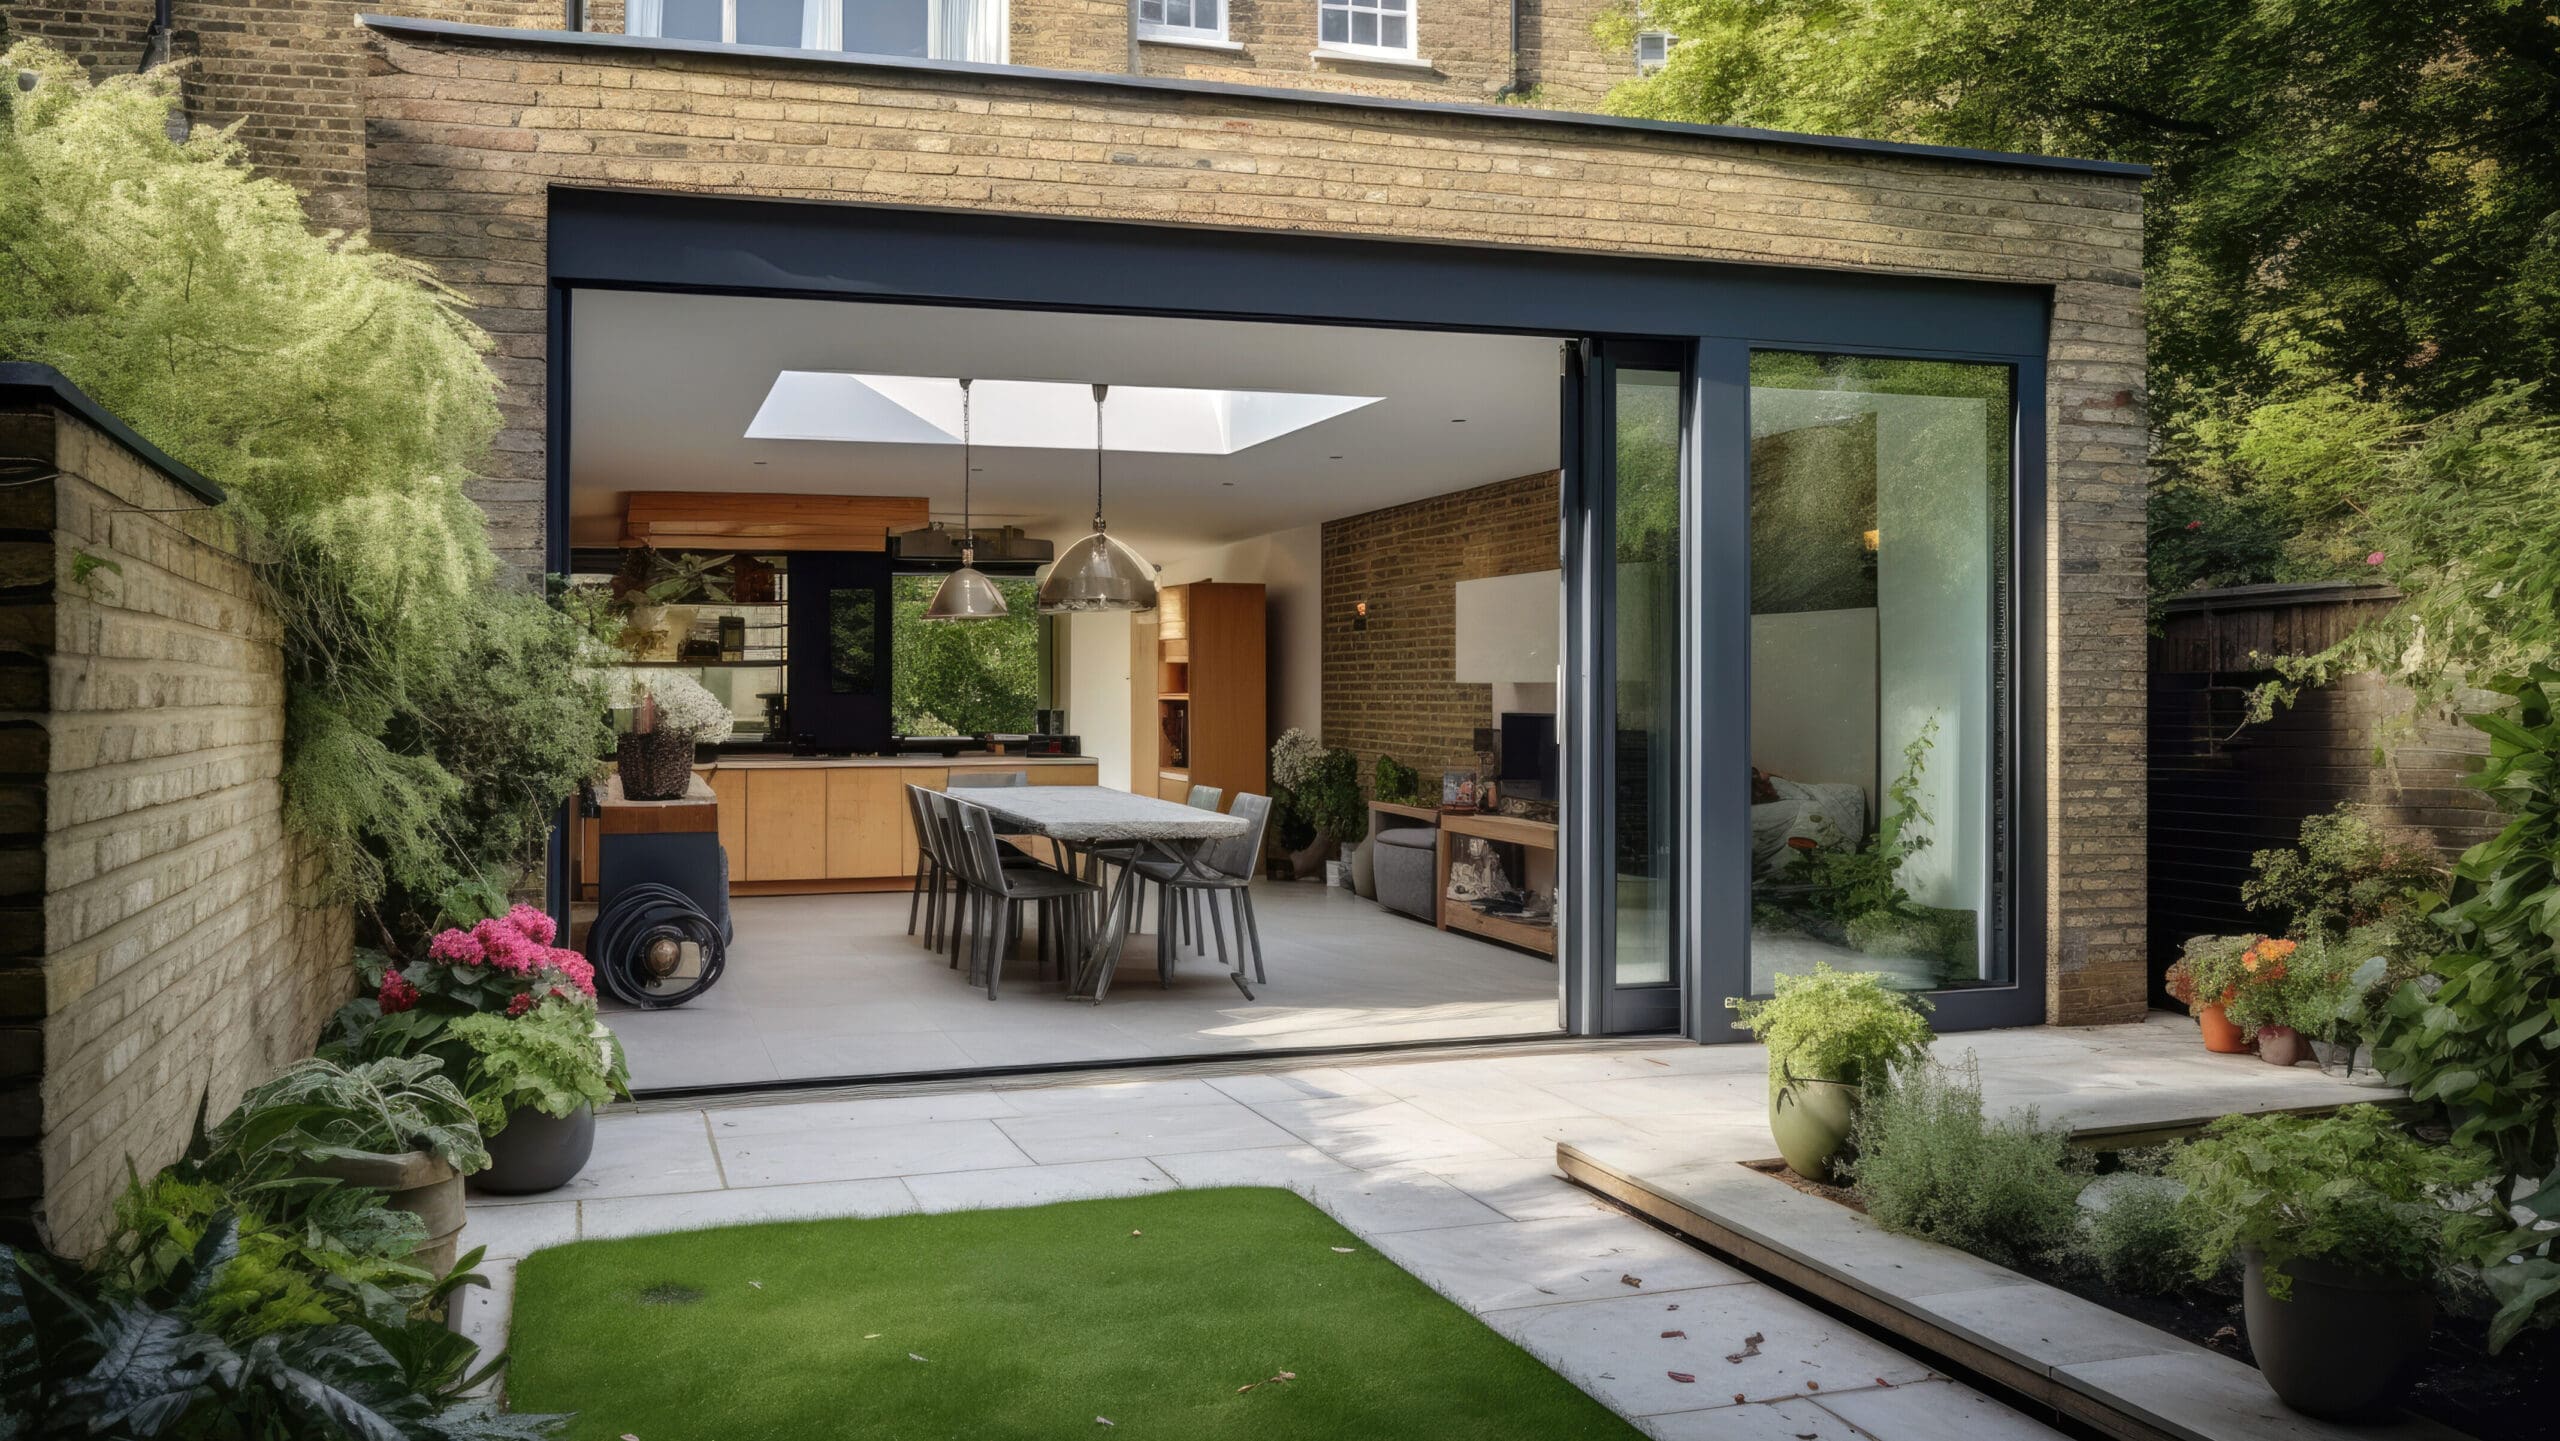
x,y
987,780
937,882
1223,872
1000,892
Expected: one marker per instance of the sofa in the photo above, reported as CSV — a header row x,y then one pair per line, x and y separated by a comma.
x,y
1406,863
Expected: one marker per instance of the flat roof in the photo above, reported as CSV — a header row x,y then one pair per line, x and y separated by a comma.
x,y
24,381
1212,89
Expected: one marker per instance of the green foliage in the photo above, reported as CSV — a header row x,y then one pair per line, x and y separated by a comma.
x,y
79,1358
2136,1242
1929,1163
1396,782
2211,970
1847,882
2335,990
963,678
554,1058
1316,788
2480,1032
2352,1188
317,1110
338,394
2345,872
1835,1026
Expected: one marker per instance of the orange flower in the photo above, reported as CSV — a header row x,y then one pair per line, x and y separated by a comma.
x,y
2265,960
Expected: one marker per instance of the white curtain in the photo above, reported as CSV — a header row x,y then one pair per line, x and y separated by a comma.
x,y
643,17
969,30
818,25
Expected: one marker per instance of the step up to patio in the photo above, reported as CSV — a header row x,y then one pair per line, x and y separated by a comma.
x,y
2082,1360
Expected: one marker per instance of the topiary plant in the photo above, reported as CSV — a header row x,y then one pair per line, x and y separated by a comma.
x,y
1845,1026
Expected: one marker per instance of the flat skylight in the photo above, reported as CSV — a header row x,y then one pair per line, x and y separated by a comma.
x,y
1034,414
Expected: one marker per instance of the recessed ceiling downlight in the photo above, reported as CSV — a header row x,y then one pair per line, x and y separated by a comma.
x,y
1034,414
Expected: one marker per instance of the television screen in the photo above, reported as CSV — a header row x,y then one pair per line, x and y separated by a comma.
x,y
1529,754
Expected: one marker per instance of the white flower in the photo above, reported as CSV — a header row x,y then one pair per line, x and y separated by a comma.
x,y
684,707
1294,758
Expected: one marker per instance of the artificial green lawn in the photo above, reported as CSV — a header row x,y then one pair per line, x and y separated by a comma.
x,y
1150,1311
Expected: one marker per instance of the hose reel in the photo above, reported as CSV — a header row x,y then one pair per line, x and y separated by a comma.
x,y
639,945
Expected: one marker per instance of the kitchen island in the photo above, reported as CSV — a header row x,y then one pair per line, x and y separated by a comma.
x,y
802,825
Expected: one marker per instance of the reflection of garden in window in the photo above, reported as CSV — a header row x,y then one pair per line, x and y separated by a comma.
x,y
1879,540
965,677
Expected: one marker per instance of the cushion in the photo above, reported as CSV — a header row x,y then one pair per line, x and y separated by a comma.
x,y
1421,838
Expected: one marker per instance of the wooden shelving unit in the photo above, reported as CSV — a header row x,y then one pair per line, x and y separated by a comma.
x,y
1212,709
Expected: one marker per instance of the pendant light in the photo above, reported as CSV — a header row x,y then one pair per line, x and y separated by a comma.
x,y
1097,572
966,593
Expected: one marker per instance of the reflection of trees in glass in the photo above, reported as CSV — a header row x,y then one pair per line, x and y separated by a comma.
x,y
963,677
853,646
1813,499
1648,471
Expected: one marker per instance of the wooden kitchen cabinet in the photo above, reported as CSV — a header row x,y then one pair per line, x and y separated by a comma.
x,y
803,827
867,822
786,825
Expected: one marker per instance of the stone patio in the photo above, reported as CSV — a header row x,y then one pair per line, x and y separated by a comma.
x,y
1445,1164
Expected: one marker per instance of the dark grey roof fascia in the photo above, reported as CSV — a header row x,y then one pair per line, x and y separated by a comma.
x,y
22,381
2283,592
1211,89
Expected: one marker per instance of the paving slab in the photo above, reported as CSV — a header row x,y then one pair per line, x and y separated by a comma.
x,y
1291,1166
1760,1421
1933,1411
636,1155
859,1152
821,1201
513,1231
1521,1189
1036,1185
2198,1395
815,1116
1397,1198
1572,1258
1117,1133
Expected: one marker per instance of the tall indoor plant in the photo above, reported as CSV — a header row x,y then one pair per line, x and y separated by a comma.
x,y
1829,1034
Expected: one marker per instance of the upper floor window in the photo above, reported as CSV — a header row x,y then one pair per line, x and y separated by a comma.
x,y
924,29
1182,19
1383,27
1653,50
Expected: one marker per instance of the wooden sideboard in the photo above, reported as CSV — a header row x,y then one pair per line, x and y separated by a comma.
x,y
796,826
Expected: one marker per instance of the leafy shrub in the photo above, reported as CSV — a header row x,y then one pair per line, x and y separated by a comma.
x,y
318,1110
1929,1164
2228,971
1396,782
2344,873
553,1058
2350,1187
1835,1026
1844,882
2134,1239
1317,788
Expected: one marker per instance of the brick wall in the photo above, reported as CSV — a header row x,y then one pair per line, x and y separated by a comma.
x,y
152,948
1391,688
465,137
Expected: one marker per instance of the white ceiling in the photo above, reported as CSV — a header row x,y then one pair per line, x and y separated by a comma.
x,y
663,388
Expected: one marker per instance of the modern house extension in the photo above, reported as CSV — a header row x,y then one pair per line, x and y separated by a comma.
x,y
1735,508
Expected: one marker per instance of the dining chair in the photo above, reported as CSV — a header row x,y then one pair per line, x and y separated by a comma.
x,y
1061,901
1223,871
930,877
987,780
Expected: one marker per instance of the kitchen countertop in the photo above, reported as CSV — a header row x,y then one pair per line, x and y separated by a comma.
x,y
973,760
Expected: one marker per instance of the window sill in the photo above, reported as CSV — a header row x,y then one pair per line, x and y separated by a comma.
x,y
1189,42
1324,56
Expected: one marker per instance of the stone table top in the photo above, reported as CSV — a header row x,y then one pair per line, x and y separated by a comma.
x,y
1095,815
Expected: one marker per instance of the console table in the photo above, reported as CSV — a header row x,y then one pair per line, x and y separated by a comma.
x,y
1534,835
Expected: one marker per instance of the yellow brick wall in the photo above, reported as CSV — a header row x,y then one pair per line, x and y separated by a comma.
x,y
464,139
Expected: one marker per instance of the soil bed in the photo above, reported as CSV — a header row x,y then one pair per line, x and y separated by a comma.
x,y
2513,1396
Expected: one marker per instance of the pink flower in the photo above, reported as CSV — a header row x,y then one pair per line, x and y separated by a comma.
x,y
2374,559
522,1003
2195,525
508,948
574,968
535,923
397,993
457,948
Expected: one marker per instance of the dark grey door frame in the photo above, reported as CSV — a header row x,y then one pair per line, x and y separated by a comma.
x,y
1713,313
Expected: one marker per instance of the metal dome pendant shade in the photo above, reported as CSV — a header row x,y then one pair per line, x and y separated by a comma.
x,y
1097,572
966,593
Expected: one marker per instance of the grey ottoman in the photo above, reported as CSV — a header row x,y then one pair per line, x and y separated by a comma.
x,y
1406,862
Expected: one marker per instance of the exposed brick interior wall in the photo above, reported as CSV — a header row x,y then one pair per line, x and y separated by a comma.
x,y
465,137
155,948
1392,687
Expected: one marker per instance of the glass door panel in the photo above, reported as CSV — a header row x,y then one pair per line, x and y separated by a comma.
x,y
1644,632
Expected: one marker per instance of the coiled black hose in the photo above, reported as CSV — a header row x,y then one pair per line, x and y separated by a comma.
x,y
638,944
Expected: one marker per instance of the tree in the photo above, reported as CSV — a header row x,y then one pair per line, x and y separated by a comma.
x,y
963,677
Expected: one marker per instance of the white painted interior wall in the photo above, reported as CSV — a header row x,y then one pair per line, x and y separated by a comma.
x,y
1813,697
1095,662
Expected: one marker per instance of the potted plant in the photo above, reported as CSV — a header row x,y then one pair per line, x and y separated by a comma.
x,y
397,1125
2340,1222
1318,790
660,718
538,1072
2211,972
1829,1034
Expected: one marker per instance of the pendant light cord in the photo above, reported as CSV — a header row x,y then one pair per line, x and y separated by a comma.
x,y
1099,391
968,535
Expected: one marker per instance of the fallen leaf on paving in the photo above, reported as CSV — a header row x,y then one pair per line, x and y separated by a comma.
x,y
1813,1385
2225,1335
1807,1436
1884,1383
1674,1306
1683,1377
1675,1335
1750,1348
1738,1398
1630,1281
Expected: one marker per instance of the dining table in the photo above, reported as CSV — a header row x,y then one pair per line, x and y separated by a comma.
x,y
1098,822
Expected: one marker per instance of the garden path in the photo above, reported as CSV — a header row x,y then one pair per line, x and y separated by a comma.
x,y
1445,1163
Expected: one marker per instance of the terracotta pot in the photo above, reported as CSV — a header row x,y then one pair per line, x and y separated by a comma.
x,y
2283,1046
413,1181
1812,1122
534,1152
2347,1343
2220,1035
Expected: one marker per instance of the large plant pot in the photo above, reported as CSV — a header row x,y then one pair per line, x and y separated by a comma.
x,y
1309,863
2345,1346
657,766
1812,1121
1364,867
2283,1046
2220,1035
413,1181
535,1152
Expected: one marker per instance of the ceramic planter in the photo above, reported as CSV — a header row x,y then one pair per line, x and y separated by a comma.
x,y
413,1181
2220,1035
1812,1121
535,1152
2347,1343
2282,1046
1309,863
